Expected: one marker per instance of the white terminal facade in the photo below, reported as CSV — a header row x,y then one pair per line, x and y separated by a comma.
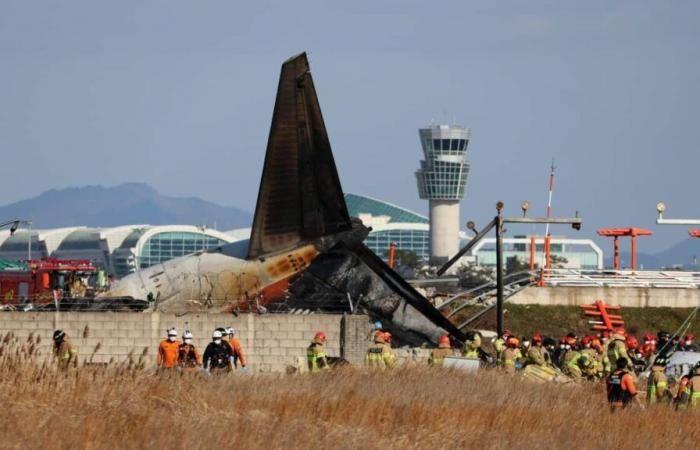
x,y
442,179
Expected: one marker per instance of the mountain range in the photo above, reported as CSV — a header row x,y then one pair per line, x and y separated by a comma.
x,y
128,203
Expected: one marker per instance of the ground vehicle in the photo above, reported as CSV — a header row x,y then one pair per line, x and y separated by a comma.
x,y
46,281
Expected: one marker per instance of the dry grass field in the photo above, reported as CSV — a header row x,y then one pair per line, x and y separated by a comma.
x,y
125,407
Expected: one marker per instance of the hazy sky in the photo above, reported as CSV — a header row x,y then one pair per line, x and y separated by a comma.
x,y
180,95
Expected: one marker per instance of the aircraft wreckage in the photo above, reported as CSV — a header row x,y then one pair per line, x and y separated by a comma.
x,y
304,249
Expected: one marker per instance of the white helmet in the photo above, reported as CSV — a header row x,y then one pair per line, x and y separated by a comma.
x,y
172,332
230,331
216,334
187,335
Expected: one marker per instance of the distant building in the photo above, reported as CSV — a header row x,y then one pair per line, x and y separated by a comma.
x,y
578,253
118,250
442,178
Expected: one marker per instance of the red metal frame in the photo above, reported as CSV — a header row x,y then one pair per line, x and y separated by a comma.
x,y
600,310
616,233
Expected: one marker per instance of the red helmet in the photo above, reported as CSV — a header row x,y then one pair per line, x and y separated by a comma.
x,y
537,337
570,340
320,336
387,337
379,336
444,341
689,337
604,334
621,331
512,342
586,340
632,342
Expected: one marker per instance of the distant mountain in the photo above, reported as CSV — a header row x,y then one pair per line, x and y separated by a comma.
x,y
681,254
128,203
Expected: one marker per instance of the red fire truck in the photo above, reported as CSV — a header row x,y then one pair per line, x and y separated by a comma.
x,y
45,281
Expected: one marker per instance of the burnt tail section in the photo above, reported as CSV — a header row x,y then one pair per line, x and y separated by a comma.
x,y
300,196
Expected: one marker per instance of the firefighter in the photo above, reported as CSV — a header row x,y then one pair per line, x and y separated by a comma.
x,y
594,366
648,346
574,363
188,358
316,354
663,343
380,355
168,351
694,387
437,356
558,355
238,353
538,354
682,397
65,353
500,343
511,356
601,360
657,382
617,348
472,345
621,386
218,354
687,343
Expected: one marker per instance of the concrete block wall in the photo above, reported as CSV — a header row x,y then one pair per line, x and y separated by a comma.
x,y
639,297
272,342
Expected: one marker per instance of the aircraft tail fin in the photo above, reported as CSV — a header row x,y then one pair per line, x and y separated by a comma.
x,y
300,196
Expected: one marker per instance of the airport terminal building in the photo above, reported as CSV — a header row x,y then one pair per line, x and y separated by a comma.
x,y
125,249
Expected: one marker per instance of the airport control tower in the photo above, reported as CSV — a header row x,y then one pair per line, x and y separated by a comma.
x,y
441,180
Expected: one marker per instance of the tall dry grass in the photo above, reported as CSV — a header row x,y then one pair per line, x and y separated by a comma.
x,y
122,406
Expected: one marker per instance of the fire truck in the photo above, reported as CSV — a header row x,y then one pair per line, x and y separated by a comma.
x,y
42,281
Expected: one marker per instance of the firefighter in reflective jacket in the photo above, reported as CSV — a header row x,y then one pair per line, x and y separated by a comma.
x,y
617,348
538,354
511,356
657,382
694,387
380,355
472,345
65,353
316,354
437,356
500,343
621,387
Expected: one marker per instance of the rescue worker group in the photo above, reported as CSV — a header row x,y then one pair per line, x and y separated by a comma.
x,y
616,358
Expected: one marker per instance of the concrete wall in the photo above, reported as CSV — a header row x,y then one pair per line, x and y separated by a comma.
x,y
623,296
272,342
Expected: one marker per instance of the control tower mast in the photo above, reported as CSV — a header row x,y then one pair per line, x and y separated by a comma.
x,y
442,178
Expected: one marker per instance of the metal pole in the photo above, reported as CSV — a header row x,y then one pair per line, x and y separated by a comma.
x,y
29,242
634,252
499,275
616,257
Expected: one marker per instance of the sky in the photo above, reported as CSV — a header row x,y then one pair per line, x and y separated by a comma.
x,y
179,94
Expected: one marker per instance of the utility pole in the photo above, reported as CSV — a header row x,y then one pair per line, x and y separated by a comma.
x,y
498,223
